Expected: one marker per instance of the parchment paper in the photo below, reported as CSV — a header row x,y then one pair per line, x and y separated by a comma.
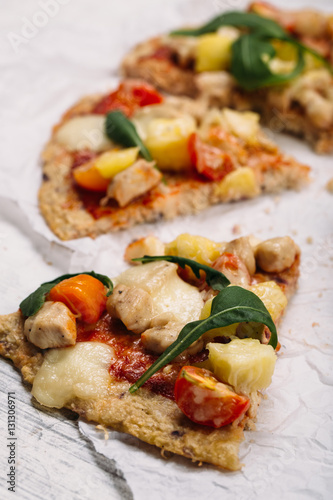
x,y
77,52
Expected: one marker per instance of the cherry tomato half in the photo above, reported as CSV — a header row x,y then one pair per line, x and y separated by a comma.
x,y
129,96
207,401
208,160
84,295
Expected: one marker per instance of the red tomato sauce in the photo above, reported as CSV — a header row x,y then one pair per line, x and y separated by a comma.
x,y
132,360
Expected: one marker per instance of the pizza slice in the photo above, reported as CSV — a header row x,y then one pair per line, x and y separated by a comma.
x,y
136,156
175,351
275,62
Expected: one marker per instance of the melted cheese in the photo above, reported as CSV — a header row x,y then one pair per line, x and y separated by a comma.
x,y
84,132
168,291
79,371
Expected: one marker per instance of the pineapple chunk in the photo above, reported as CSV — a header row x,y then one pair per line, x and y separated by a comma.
x,y
241,183
197,248
272,296
242,124
213,52
245,364
112,162
167,140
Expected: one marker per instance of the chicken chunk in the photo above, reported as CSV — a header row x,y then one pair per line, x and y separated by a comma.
x,y
150,245
276,254
136,180
164,331
242,248
54,325
133,306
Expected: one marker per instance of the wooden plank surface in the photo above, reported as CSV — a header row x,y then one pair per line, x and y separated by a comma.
x,y
53,460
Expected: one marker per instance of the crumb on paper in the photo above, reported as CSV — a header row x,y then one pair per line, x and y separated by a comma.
x,y
329,186
320,294
49,263
267,210
314,324
309,240
104,429
294,232
236,229
277,198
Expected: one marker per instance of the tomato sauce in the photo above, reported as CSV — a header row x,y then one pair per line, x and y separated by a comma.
x,y
132,360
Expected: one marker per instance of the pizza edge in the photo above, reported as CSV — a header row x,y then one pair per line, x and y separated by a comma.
x,y
150,417
67,217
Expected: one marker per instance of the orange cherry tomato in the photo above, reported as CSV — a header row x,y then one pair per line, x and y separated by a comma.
x,y
129,96
208,160
84,295
205,400
88,177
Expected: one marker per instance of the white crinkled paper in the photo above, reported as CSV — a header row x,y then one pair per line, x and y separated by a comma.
x,y
290,455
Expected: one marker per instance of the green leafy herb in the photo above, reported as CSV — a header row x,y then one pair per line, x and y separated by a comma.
x,y
266,27
36,299
232,305
122,131
214,278
250,63
252,52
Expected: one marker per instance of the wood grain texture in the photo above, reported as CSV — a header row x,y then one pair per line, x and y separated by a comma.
x,y
54,461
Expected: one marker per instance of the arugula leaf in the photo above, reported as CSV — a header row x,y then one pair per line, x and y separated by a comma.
x,y
122,131
214,278
254,22
252,51
31,305
232,305
249,63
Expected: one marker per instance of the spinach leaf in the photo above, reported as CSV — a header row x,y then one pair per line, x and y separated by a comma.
x,y
122,131
232,305
36,299
214,278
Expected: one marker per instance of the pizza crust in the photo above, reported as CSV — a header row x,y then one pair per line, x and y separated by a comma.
x,y
66,215
145,415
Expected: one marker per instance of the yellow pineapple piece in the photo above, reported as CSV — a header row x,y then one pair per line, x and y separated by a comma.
x,y
213,52
238,184
243,124
167,140
272,296
112,162
197,248
245,364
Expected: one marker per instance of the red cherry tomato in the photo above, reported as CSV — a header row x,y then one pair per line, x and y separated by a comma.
x,y
208,160
129,96
84,295
206,401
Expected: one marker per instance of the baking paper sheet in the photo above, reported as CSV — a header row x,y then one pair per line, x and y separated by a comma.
x,y
77,52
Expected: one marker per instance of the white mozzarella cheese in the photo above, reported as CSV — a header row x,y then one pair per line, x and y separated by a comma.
x,y
84,132
168,291
79,371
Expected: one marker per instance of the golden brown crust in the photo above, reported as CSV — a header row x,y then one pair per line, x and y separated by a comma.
x,y
68,218
145,415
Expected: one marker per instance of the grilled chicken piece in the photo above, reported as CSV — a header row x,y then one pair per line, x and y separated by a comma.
x,y
54,325
133,306
136,180
276,254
